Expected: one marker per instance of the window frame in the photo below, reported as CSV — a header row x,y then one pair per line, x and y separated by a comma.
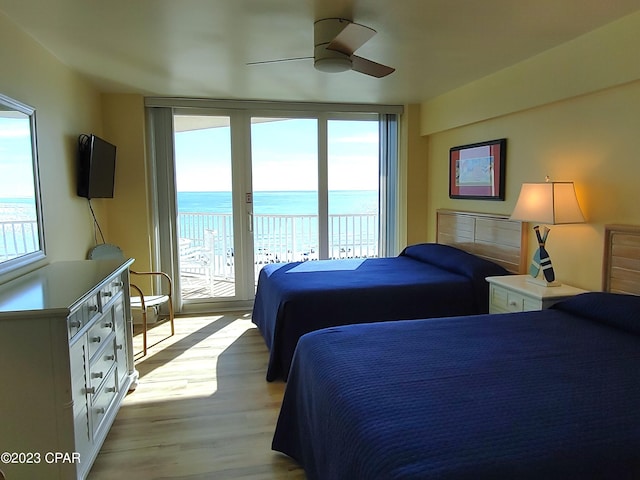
x,y
10,265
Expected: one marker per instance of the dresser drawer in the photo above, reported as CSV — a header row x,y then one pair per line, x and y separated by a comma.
x,y
110,291
102,363
90,309
103,400
75,322
83,315
99,333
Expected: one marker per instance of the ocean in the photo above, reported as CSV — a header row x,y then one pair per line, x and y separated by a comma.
x,y
282,202
264,203
17,209
285,239
341,202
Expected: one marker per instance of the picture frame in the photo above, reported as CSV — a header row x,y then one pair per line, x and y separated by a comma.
x,y
477,171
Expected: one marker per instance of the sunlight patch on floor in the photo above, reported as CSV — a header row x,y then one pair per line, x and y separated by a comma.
x,y
190,351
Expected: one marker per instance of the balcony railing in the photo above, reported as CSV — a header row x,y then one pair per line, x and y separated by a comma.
x,y
207,248
18,238
206,240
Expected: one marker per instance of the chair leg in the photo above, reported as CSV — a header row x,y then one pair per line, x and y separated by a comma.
x,y
173,328
144,331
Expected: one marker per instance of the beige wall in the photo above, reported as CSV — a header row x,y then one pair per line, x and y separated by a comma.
x,y
128,214
416,201
570,128
66,105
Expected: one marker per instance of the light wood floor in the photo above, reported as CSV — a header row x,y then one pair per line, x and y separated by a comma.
x,y
203,409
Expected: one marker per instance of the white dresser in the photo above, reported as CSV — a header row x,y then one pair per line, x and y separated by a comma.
x,y
66,363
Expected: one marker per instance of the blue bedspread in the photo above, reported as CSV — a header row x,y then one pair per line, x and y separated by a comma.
x,y
427,280
536,395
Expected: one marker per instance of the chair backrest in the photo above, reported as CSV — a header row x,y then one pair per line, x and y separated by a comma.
x,y
105,251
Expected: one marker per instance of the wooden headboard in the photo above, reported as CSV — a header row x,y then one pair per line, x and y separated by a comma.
x,y
621,272
486,235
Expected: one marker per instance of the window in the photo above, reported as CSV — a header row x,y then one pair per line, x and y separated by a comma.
x,y
21,233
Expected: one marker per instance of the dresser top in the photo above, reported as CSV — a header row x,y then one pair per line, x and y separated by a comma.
x,y
57,286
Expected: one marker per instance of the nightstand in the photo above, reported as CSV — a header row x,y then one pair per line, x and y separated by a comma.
x,y
513,293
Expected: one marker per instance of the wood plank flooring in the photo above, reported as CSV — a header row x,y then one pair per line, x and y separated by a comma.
x,y
203,409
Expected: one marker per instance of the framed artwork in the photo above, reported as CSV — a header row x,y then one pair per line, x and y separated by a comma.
x,y
477,171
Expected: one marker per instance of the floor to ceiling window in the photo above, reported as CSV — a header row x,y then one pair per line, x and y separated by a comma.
x,y
246,187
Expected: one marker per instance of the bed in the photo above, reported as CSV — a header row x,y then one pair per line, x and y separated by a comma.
x,y
549,394
426,280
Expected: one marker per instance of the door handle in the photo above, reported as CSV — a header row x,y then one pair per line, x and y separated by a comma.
x,y
250,222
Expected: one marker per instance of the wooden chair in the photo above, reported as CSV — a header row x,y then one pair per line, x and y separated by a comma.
x,y
140,302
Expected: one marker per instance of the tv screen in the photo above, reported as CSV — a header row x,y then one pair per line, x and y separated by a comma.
x,y
97,167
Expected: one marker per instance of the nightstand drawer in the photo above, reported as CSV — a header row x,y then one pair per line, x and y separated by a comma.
x,y
516,293
503,300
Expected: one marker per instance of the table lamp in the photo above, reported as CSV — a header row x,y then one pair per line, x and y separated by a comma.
x,y
550,203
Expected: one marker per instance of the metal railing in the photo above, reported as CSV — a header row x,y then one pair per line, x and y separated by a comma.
x,y
17,238
206,240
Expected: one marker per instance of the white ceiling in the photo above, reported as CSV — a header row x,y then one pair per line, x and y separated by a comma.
x,y
199,48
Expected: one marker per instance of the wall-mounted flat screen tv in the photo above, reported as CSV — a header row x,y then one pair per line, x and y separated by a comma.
x,y
96,167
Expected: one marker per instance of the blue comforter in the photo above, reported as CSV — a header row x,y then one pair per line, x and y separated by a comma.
x,y
536,395
427,280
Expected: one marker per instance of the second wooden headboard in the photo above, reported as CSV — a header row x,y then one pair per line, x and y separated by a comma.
x,y
486,235
621,272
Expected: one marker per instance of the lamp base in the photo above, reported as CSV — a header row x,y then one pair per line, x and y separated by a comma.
x,y
542,282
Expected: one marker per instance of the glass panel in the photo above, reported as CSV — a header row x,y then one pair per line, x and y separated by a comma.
x,y
353,183
204,204
21,239
284,155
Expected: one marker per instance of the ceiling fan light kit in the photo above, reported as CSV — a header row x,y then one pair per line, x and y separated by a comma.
x,y
331,62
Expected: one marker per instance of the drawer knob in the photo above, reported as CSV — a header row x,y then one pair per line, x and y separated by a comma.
x,y
96,339
96,375
108,325
93,308
118,284
110,357
100,411
107,294
119,347
513,303
90,390
110,389
75,324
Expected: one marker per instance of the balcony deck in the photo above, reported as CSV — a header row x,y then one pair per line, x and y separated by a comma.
x,y
198,286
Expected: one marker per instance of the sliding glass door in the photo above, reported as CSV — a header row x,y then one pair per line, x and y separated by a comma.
x,y
353,181
284,173
204,201
247,188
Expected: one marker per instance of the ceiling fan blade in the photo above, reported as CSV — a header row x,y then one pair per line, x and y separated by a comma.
x,y
279,60
351,38
369,67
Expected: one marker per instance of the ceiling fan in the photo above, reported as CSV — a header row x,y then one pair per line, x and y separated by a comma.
x,y
335,41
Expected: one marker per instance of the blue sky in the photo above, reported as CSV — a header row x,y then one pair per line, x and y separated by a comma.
x,y
16,171
284,156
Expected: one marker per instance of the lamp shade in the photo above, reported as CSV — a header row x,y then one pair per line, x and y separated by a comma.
x,y
551,203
